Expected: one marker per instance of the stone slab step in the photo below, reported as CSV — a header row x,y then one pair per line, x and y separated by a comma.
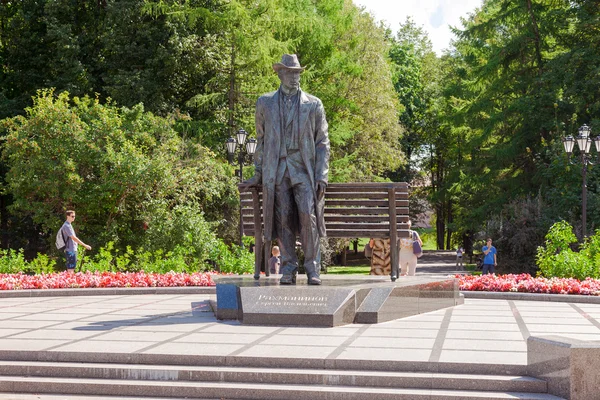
x,y
239,391
25,396
416,380
270,362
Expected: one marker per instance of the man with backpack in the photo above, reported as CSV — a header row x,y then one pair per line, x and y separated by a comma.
x,y
69,241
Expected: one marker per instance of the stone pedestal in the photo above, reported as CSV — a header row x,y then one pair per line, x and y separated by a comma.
x,y
571,367
339,301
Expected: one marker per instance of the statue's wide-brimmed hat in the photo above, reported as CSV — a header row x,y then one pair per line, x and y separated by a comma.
x,y
288,61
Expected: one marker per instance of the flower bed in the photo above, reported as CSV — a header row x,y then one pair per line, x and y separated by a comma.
x,y
102,280
525,283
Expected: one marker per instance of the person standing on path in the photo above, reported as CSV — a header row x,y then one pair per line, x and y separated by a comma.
x,y
489,259
407,257
459,256
274,261
72,241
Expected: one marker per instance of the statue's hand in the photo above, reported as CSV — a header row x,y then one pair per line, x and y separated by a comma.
x,y
321,190
252,182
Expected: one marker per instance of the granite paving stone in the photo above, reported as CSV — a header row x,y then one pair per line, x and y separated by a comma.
x,y
214,349
567,321
53,334
374,331
558,328
412,324
235,327
343,331
485,343
226,338
6,332
307,340
27,324
9,315
385,354
479,319
485,331
289,351
395,343
491,335
65,316
483,326
144,336
580,336
484,357
178,328
102,346
29,344
549,314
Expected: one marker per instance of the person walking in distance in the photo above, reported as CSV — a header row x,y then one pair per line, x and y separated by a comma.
x,y
408,259
459,257
71,242
489,259
292,165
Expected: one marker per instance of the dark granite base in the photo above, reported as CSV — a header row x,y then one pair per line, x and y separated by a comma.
x,y
338,301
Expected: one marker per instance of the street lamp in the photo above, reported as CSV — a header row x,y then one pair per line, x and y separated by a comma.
x,y
232,145
584,142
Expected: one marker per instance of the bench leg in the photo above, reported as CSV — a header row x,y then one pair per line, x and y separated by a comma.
x,y
258,252
394,260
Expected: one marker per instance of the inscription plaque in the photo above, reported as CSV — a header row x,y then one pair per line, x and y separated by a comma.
x,y
339,301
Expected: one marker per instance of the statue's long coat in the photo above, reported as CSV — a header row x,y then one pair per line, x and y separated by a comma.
x,y
313,142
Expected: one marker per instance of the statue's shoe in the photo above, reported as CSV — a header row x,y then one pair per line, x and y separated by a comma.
x,y
314,281
287,280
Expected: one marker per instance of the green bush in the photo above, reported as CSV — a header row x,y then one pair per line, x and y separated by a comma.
x,y
558,259
228,259
129,175
13,262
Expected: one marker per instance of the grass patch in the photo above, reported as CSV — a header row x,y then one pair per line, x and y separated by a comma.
x,y
428,236
472,268
353,270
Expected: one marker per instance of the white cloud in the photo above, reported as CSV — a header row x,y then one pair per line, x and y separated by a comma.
x,y
435,16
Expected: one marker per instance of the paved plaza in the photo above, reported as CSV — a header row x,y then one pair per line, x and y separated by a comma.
x,y
480,331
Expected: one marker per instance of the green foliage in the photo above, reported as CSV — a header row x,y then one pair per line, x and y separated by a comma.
x,y
428,236
557,258
518,232
354,270
13,262
232,259
127,173
200,66
228,259
42,264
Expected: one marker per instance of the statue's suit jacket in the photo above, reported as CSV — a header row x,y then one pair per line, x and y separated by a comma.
x,y
313,142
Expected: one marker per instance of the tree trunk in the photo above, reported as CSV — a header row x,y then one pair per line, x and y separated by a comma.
x,y
449,220
231,94
4,222
440,225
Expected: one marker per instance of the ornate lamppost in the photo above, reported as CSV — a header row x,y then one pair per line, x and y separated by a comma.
x,y
584,142
243,153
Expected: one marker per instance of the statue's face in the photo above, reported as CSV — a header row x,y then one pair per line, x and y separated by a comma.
x,y
290,79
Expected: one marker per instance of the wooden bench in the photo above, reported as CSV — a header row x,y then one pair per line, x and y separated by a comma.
x,y
352,210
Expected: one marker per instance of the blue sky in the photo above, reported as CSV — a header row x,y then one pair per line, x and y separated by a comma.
x,y
435,16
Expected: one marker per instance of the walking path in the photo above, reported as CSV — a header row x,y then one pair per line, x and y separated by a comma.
x,y
485,331
480,331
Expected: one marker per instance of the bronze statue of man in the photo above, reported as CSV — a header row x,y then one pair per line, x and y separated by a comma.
x,y
292,164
